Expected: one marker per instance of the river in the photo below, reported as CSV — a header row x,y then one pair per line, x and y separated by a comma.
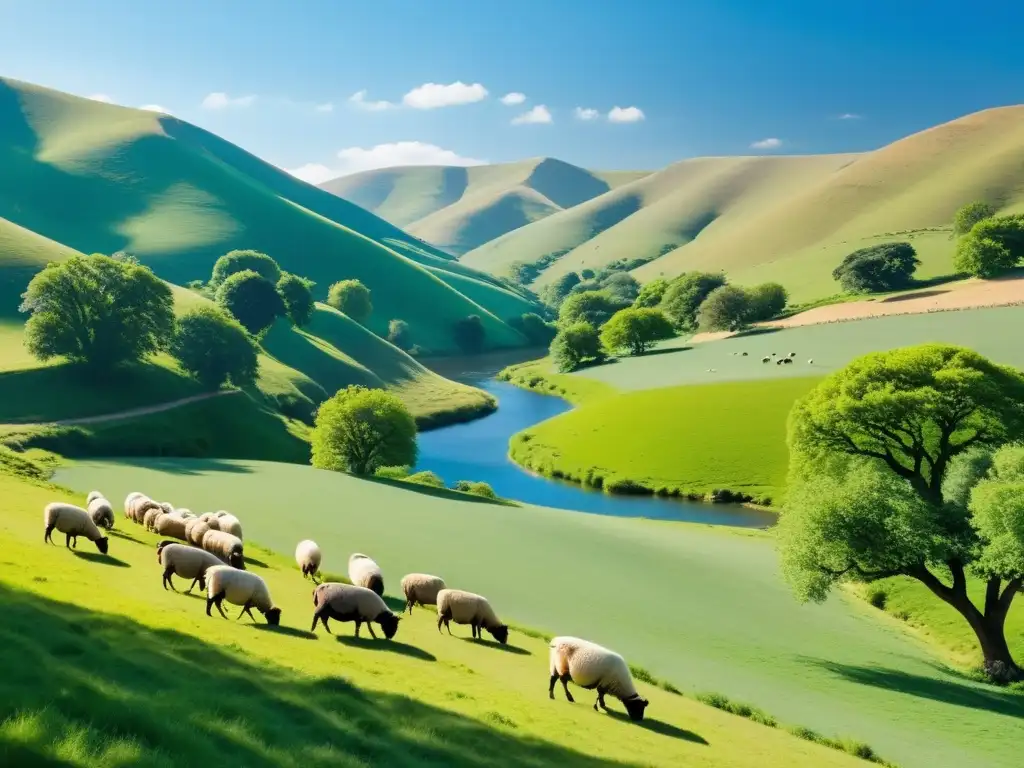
x,y
478,450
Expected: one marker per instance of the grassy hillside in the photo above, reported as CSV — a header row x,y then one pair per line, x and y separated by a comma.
x,y
789,219
700,607
458,209
99,177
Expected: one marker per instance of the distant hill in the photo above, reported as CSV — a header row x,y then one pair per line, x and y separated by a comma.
x,y
786,218
458,209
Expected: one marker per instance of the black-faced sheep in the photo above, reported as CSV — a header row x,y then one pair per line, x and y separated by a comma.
x,y
591,666
468,608
421,588
308,557
225,546
73,522
101,512
242,588
345,602
364,572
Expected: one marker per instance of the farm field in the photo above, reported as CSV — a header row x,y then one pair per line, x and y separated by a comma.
x,y
702,608
104,667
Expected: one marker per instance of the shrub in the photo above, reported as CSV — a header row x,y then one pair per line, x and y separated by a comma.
x,y
400,334
766,301
592,307
555,293
469,334
251,299
214,348
992,246
587,274
297,295
651,293
97,310
622,287
240,261
426,477
392,473
523,272
685,294
727,308
534,328
352,298
965,218
883,267
636,330
476,488
878,597
360,430
574,345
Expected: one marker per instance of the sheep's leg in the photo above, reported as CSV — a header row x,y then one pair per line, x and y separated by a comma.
x,y
216,600
551,685
67,541
600,700
167,578
440,621
248,609
47,535
359,623
565,686
244,609
190,586
369,626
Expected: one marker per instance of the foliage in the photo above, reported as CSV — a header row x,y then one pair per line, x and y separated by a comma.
x,y
651,293
554,294
969,215
469,334
400,334
251,299
622,287
767,301
233,262
685,294
476,488
992,246
97,310
592,307
392,473
636,330
534,328
883,267
352,298
997,504
297,294
727,308
426,477
214,348
575,344
359,430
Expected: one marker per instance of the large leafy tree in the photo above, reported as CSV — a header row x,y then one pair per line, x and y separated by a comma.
x,y
215,348
97,310
251,299
991,247
239,261
685,294
882,267
352,298
969,215
360,430
592,307
297,294
574,345
766,301
885,455
727,308
636,330
651,293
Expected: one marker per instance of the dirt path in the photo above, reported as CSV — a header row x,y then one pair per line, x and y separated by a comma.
x,y
130,412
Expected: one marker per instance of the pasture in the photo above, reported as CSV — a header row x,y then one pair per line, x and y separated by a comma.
x,y
703,608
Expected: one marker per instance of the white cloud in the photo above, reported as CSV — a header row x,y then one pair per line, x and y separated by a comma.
x,y
770,143
625,115
511,99
356,159
101,97
849,116
358,100
585,113
538,114
433,95
325,107
155,108
220,100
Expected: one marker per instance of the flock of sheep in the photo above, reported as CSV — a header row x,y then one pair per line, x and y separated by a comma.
x,y
209,550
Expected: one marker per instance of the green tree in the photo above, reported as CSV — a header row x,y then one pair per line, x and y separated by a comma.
x,y
965,218
651,293
636,330
574,345
592,307
251,299
991,247
883,267
214,348
352,298
469,334
400,334
360,430
727,308
766,301
297,294
97,310
554,294
233,262
685,294
534,328
622,287
884,454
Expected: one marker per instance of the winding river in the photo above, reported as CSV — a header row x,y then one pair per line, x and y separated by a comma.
x,y
478,450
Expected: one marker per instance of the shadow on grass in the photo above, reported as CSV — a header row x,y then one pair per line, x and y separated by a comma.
x,y
303,634
909,296
755,332
443,493
90,680
380,644
100,559
185,466
126,536
966,694
668,351
497,646
657,726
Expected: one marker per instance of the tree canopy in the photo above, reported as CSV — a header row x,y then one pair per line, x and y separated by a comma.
x,y
969,215
97,310
727,308
297,294
636,330
766,301
883,267
400,334
575,344
360,430
214,348
534,328
685,294
352,298
239,261
651,293
554,293
592,307
991,247
251,299
469,334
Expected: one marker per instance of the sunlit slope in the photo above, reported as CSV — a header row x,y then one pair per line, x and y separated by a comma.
x,y
98,177
458,209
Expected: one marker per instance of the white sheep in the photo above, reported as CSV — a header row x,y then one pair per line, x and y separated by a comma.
x,y
242,588
364,572
766,359
229,524
308,557
468,608
170,525
421,588
591,666
73,522
139,506
792,354
166,506
811,361
129,503
225,546
101,512
93,495
186,562
195,529
346,602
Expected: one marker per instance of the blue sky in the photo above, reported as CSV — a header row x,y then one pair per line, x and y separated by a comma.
x,y
710,78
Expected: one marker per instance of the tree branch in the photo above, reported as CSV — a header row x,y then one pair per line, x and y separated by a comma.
x,y
1013,586
992,595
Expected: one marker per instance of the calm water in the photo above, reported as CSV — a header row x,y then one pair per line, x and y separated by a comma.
x,y
479,451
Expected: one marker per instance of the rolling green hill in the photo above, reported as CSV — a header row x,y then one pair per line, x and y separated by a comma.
x,y
459,209
787,218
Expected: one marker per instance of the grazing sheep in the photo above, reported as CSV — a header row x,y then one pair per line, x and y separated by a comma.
x,y
779,362
73,522
140,505
421,588
364,572
345,602
468,608
229,524
225,546
774,354
129,503
186,562
591,666
101,512
93,495
166,506
170,525
242,588
787,360
308,556
792,354
195,529
743,354
150,516
811,361
766,359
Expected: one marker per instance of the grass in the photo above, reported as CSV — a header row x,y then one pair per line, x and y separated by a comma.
x,y
538,376
99,674
702,608
677,441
